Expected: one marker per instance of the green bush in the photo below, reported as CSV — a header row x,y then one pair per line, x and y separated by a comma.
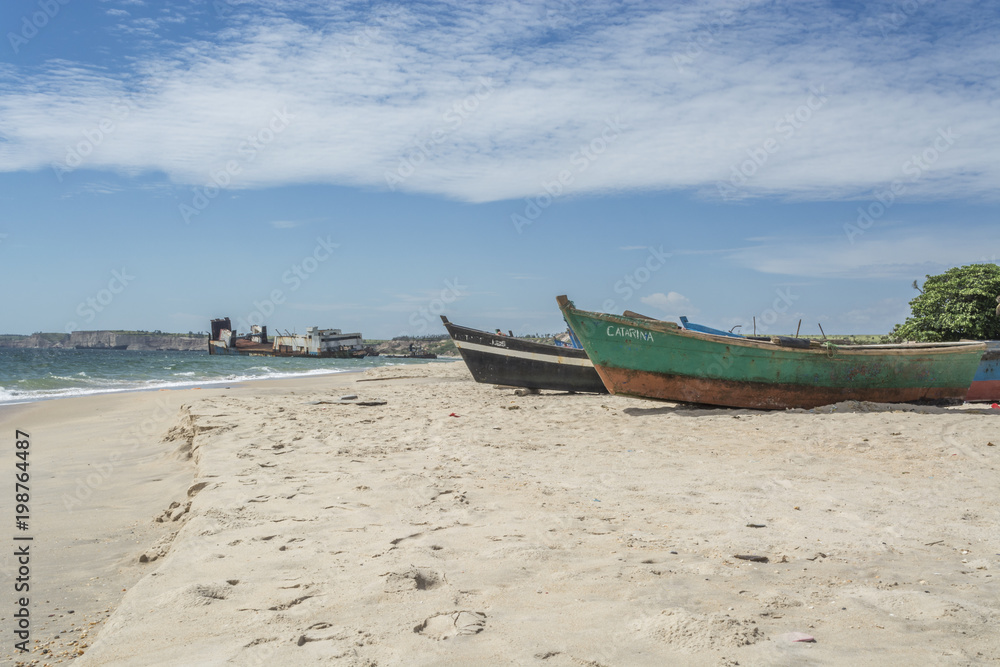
x,y
959,303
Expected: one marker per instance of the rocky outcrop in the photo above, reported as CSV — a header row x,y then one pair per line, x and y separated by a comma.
x,y
443,347
156,342
107,340
39,340
140,341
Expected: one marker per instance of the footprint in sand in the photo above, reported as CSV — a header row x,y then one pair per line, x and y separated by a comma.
x,y
174,512
452,624
451,494
691,632
291,603
322,632
195,595
194,489
158,550
416,578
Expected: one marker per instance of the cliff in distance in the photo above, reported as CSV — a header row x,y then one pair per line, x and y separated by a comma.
x,y
107,340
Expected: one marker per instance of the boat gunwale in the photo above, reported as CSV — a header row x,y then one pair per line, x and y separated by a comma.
x,y
543,348
881,349
524,363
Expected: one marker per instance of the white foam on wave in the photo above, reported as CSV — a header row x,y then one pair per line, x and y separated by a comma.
x,y
79,377
9,397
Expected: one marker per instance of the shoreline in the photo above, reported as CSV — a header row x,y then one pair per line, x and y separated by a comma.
x,y
183,385
100,474
459,523
84,518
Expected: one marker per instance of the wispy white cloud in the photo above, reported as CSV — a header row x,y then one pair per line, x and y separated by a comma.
x,y
879,313
94,188
899,253
365,92
671,303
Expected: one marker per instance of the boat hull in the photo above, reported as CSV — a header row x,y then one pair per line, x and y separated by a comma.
x,y
658,360
259,350
986,383
756,395
515,362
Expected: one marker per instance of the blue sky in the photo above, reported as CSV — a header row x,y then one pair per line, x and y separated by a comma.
x,y
368,166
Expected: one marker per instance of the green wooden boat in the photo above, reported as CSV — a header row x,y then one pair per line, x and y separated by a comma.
x,y
646,358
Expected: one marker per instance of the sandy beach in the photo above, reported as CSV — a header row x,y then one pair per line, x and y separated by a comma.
x,y
436,521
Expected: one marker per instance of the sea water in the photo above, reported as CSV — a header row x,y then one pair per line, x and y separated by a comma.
x,y
31,375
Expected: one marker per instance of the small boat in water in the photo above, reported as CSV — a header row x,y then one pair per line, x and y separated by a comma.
x,y
646,358
515,362
986,382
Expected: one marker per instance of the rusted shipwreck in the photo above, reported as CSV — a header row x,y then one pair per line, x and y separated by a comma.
x,y
316,342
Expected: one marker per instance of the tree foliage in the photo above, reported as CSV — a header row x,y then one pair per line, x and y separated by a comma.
x,y
959,303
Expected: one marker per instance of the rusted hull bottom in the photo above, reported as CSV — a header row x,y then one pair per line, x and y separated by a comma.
x,y
759,395
984,390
